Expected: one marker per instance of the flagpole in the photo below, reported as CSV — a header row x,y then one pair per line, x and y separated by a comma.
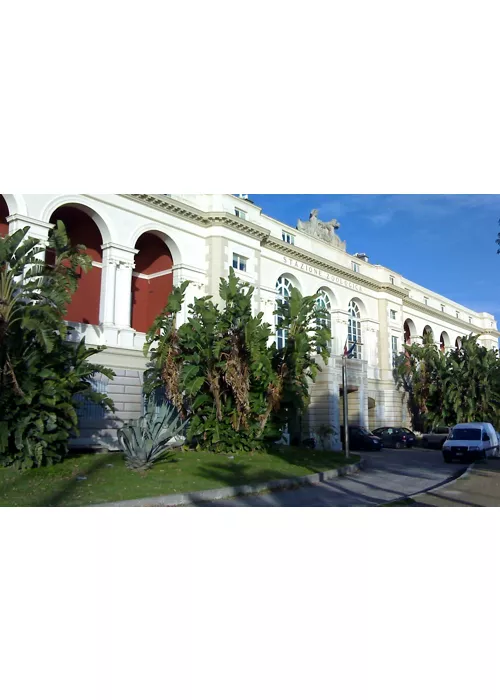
x,y
346,404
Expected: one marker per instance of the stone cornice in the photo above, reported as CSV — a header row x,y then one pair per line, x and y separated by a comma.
x,y
296,253
172,206
395,291
205,219
429,311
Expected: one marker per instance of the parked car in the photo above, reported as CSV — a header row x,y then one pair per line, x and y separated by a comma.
x,y
395,437
361,439
436,437
468,442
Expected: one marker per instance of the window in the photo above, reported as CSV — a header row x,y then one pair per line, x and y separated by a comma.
x,y
288,237
393,315
392,280
354,329
355,266
240,213
394,349
426,301
239,262
324,304
283,291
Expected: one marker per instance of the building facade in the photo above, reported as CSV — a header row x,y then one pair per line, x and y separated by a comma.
x,y
142,245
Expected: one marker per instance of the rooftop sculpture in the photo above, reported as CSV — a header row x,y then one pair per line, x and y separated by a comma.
x,y
325,231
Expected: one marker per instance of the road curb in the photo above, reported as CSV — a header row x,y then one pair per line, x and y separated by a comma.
x,y
182,499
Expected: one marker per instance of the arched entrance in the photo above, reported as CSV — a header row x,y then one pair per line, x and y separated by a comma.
x,y
4,213
410,331
152,280
444,341
84,307
428,335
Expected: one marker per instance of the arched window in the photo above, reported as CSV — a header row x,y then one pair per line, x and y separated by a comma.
x,y
283,291
324,304
354,329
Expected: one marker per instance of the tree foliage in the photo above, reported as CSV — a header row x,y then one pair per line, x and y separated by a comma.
x,y
222,373
460,386
42,375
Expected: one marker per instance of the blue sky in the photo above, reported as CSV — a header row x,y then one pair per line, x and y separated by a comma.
x,y
443,242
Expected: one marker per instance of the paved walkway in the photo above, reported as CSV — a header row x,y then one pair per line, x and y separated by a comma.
x,y
385,476
480,487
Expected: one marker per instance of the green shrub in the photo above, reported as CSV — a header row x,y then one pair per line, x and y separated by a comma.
x,y
42,375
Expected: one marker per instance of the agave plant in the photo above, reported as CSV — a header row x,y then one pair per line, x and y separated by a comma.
x,y
148,439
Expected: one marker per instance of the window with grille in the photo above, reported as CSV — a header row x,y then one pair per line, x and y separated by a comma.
x,y
354,329
283,290
394,349
88,410
324,304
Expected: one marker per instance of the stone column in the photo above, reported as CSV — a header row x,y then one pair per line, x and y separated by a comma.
x,y
116,285
108,290
336,442
123,294
197,288
37,229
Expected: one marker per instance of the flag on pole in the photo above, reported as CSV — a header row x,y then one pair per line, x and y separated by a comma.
x,y
349,350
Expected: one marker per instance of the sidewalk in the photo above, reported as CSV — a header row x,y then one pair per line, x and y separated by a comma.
x,y
480,487
384,477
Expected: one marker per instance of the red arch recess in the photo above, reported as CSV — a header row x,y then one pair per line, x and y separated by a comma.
x,y
150,294
84,307
4,213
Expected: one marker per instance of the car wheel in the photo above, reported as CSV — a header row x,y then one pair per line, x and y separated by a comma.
x,y
447,458
398,445
425,443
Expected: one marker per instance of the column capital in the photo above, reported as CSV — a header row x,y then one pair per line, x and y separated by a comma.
x,y
38,229
119,255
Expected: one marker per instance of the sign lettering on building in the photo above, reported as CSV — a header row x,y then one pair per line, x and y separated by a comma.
x,y
304,267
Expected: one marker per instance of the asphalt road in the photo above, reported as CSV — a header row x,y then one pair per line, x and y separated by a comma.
x,y
385,476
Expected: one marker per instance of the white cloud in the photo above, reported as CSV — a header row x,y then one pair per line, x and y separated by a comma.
x,y
380,209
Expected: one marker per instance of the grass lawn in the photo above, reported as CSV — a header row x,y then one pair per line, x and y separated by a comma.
x,y
107,478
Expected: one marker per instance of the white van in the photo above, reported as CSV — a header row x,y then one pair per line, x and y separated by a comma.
x,y
471,441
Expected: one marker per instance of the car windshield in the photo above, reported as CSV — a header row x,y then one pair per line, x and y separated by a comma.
x,y
362,431
465,434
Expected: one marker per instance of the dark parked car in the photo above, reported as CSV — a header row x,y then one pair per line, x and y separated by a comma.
x,y
396,437
361,439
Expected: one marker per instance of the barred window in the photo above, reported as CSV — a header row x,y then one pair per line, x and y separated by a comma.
x,y
283,288
354,329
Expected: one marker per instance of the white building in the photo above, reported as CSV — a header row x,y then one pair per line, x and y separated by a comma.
x,y
144,244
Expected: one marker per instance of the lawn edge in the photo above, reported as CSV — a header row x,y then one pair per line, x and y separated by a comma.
x,y
182,499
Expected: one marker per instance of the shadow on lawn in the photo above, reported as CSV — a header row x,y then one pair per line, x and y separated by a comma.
x,y
55,497
237,473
